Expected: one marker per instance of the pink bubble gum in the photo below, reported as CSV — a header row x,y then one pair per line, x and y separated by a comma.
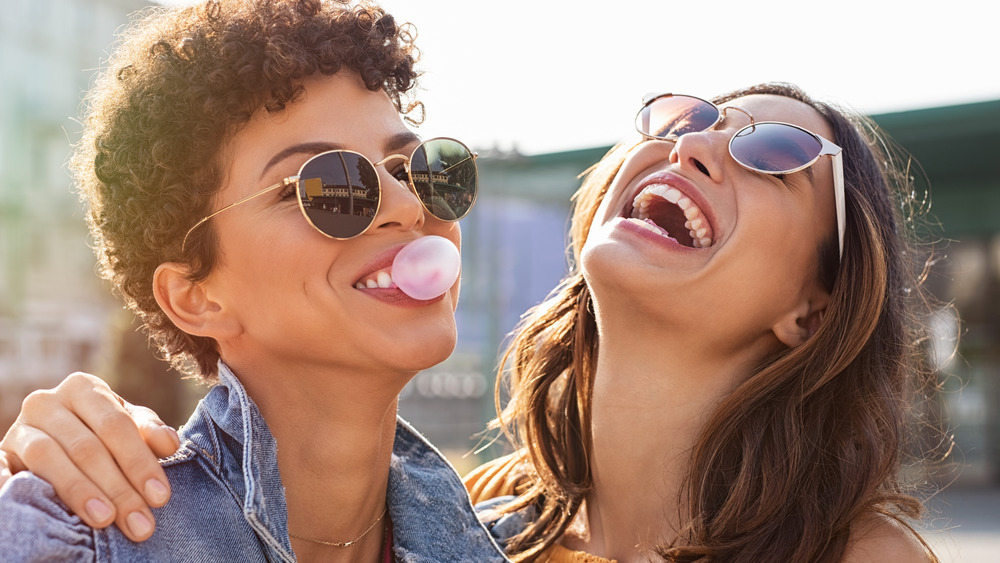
x,y
427,267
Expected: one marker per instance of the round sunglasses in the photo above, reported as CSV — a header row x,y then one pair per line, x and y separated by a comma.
x,y
768,147
339,191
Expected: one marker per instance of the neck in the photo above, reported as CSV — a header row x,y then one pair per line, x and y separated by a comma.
x,y
648,412
335,431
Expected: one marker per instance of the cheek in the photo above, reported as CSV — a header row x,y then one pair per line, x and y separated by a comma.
x,y
793,260
282,248
782,215
781,240
605,211
450,231
453,233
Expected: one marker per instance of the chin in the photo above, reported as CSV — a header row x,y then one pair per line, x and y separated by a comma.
x,y
610,266
426,354
623,284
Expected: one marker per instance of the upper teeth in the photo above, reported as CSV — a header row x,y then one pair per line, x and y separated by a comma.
x,y
697,225
382,280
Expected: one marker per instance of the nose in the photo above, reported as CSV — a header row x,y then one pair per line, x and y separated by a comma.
x,y
399,207
703,152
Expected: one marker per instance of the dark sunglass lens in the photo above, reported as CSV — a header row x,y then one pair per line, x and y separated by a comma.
x,y
774,147
339,192
672,116
445,178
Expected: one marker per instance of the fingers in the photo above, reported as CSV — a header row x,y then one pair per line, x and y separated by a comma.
x,y
81,438
80,494
119,462
84,475
5,471
161,439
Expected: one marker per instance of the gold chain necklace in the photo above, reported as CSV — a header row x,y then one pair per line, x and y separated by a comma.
x,y
344,543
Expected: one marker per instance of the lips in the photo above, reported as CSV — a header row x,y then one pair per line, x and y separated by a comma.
x,y
376,282
377,272
669,206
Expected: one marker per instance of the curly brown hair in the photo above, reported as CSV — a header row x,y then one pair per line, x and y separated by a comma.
x,y
180,83
809,444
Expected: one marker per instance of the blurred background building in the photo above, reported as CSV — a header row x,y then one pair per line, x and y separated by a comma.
x,y
54,312
56,316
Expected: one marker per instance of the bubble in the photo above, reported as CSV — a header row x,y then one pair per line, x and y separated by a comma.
x,y
426,267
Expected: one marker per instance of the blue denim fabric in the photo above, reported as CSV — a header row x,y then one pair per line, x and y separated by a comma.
x,y
228,503
504,526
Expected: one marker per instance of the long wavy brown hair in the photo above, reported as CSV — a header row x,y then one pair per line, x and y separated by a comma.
x,y
812,441
180,83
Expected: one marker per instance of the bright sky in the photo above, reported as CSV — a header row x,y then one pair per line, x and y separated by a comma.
x,y
557,75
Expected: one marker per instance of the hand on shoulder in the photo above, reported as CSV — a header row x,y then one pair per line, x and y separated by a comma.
x,y
877,537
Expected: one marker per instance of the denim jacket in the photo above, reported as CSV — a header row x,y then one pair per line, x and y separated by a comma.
x,y
503,526
228,503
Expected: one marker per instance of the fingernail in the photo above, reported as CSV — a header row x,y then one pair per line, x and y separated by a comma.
x,y
139,524
97,510
156,492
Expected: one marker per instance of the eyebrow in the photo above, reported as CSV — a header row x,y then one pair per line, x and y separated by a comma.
x,y
301,148
399,140
393,144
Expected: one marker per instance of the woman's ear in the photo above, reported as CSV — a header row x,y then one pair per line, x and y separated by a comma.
x,y
189,305
799,324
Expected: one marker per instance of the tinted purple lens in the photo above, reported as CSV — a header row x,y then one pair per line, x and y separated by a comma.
x,y
774,147
671,116
339,191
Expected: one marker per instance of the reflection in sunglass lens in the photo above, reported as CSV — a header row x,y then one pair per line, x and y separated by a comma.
x,y
339,191
673,116
445,178
774,147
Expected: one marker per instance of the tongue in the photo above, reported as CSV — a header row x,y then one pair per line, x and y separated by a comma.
x,y
670,219
427,267
658,228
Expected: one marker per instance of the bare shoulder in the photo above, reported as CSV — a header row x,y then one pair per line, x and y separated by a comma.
x,y
877,537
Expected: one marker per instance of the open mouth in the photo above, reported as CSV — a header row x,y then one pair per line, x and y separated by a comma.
x,y
667,211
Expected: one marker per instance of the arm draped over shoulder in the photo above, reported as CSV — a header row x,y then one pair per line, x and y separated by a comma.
x,y
36,526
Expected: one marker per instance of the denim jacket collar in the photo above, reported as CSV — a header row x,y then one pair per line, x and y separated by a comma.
x,y
433,519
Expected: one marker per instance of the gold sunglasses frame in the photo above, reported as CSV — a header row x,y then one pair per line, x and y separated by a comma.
x,y
410,185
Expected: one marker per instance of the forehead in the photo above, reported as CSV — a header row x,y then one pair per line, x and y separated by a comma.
x,y
767,107
336,109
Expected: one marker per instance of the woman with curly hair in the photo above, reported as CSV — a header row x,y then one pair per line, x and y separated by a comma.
x,y
249,181
727,370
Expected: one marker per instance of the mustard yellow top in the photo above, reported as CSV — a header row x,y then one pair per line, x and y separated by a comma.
x,y
498,478
493,479
560,554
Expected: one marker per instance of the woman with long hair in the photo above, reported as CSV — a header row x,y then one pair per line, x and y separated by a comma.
x,y
727,371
